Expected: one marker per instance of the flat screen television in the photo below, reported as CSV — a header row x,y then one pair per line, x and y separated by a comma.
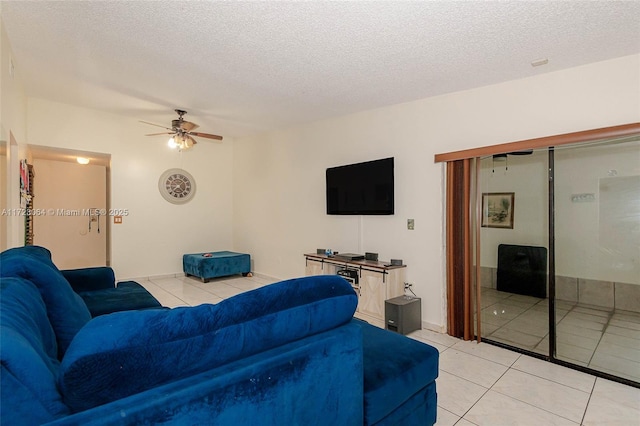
x,y
361,189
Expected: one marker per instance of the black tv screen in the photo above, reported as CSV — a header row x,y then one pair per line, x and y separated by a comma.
x,y
361,189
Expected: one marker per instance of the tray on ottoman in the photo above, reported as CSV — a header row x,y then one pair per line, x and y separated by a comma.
x,y
216,264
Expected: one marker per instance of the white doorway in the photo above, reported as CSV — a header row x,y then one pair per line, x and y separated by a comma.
x,y
74,199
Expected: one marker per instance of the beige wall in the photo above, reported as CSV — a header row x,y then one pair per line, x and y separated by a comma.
x,y
279,206
584,247
526,177
65,190
593,240
265,194
154,236
13,132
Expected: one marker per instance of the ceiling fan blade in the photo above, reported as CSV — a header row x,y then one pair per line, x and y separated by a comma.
x,y
157,125
206,135
188,126
162,133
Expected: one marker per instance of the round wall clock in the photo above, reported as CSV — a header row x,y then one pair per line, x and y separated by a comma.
x,y
177,186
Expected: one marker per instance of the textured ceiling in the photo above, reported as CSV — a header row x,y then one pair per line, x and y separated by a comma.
x,y
245,67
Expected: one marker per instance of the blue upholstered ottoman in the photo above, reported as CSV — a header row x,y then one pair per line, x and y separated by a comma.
x,y
215,264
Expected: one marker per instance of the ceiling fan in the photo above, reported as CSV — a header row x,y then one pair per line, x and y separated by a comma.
x,y
504,154
181,132
504,157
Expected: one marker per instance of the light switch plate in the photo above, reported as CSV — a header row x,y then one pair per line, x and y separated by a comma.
x,y
410,224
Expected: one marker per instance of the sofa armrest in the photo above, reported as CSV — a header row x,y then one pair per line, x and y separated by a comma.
x,y
89,279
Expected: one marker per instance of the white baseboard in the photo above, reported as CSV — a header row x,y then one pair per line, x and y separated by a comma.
x,y
434,327
152,277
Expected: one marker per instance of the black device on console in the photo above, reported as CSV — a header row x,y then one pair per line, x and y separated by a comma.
x,y
349,256
350,275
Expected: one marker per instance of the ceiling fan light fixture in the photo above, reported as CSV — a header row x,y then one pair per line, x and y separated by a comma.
x,y
181,132
187,142
181,142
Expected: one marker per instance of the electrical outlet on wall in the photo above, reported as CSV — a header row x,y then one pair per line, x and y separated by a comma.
x,y
410,224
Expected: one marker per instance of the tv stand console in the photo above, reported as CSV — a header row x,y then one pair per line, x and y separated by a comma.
x,y
376,282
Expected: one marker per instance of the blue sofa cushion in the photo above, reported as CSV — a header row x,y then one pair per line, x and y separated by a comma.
x,y
395,368
128,296
28,352
65,309
124,353
90,279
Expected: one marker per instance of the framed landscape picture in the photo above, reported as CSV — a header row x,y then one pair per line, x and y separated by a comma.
x,y
497,210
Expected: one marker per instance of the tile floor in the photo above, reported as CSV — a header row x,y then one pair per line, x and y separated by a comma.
x,y
479,384
591,336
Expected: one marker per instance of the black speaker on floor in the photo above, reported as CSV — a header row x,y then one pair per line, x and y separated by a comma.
x,y
402,314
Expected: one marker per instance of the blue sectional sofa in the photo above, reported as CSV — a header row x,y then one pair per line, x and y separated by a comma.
x,y
289,353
